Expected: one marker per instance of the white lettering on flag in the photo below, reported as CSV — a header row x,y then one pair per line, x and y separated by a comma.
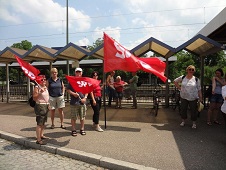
x,y
124,53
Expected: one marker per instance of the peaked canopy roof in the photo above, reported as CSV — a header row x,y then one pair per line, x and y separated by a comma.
x,y
72,52
155,46
201,46
198,45
216,28
7,55
40,53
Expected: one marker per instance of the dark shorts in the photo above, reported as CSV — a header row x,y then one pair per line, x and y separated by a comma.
x,y
118,95
41,111
216,98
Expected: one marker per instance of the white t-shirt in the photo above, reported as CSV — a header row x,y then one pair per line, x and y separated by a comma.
x,y
223,107
189,88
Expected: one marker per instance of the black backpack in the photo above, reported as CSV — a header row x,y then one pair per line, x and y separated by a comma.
x,y
31,102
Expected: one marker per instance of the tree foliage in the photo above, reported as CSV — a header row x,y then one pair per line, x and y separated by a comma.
x,y
211,63
25,45
16,74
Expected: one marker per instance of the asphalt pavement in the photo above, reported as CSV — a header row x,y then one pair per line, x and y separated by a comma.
x,y
133,138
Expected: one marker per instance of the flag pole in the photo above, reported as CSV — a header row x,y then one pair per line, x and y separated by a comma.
x,y
104,98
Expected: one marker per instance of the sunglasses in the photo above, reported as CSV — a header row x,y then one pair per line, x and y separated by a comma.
x,y
191,69
43,79
78,71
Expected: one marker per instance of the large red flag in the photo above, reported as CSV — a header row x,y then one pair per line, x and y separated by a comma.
x,y
83,84
155,63
116,57
29,70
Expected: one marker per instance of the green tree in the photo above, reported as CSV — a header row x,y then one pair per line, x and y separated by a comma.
x,y
14,74
211,63
25,45
96,44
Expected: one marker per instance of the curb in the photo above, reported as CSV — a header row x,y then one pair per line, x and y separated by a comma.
x,y
94,159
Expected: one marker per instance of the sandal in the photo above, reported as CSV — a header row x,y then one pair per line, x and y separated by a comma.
x,y
73,133
82,132
209,123
216,122
62,127
194,126
40,142
52,126
44,137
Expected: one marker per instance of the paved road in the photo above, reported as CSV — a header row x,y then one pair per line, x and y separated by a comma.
x,y
133,137
17,157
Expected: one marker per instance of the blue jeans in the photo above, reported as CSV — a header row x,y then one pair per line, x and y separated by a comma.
x,y
111,95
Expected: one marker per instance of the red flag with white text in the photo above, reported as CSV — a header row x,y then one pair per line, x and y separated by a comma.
x,y
155,63
83,84
116,57
29,70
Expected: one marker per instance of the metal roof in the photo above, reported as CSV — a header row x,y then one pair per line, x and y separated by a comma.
x,y
216,28
155,46
40,53
201,46
7,55
72,52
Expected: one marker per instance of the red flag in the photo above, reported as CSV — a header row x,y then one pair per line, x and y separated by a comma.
x,y
155,63
29,70
83,84
116,57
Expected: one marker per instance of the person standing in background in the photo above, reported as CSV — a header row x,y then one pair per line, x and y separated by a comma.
x,y
119,85
216,98
132,89
111,89
56,100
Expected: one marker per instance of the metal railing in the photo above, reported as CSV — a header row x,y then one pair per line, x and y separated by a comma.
x,y
144,93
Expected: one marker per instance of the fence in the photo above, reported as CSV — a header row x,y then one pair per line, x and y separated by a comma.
x,y
144,93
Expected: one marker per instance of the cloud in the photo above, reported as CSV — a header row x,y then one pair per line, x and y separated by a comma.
x,y
83,42
112,32
47,13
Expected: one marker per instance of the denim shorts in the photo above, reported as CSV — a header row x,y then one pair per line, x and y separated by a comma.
x,y
118,95
216,98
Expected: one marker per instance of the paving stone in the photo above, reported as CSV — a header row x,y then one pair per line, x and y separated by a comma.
x,y
17,157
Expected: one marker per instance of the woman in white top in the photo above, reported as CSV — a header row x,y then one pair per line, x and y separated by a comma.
x,y
41,97
190,93
223,107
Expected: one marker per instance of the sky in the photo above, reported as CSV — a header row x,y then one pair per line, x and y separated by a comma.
x,y
130,22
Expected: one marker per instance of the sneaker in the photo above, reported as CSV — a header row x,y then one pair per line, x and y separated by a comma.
x,y
193,126
182,124
98,128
